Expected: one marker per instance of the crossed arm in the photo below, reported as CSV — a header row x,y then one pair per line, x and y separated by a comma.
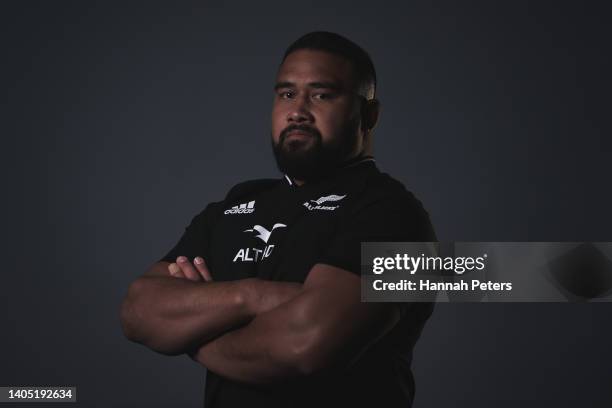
x,y
173,316
252,330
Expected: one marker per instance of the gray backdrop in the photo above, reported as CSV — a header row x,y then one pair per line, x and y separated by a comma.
x,y
121,121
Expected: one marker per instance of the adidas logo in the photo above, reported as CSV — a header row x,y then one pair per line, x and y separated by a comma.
x,y
247,208
316,204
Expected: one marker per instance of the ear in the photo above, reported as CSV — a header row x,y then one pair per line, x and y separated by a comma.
x,y
370,111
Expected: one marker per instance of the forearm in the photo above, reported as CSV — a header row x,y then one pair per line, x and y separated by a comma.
x,y
172,315
282,345
323,329
264,351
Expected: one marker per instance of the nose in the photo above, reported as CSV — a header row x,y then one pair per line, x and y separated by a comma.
x,y
300,110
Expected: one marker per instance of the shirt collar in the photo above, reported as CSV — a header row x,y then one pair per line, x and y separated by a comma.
x,y
350,163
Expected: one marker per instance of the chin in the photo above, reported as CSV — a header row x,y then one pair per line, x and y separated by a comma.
x,y
298,146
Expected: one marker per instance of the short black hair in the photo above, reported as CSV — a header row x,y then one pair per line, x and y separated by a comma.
x,y
339,45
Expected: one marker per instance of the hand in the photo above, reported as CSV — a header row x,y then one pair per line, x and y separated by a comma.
x,y
185,269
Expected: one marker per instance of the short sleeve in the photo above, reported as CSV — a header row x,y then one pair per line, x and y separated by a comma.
x,y
195,239
390,219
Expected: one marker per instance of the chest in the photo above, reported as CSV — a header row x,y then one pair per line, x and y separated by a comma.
x,y
280,239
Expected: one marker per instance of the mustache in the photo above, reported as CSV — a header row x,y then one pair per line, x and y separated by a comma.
x,y
303,128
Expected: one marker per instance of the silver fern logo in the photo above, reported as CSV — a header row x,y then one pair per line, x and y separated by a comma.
x,y
317,204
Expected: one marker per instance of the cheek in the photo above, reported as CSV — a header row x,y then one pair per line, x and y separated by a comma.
x,y
331,122
278,121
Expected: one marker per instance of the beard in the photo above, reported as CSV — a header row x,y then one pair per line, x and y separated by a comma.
x,y
311,159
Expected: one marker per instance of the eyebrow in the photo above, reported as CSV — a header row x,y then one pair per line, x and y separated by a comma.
x,y
316,85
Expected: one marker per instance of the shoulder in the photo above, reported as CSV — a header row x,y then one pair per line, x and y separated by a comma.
x,y
386,202
381,189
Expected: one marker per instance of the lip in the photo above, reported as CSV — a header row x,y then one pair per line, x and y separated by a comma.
x,y
299,133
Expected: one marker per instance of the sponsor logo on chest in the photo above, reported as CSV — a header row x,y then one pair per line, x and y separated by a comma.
x,y
318,203
258,254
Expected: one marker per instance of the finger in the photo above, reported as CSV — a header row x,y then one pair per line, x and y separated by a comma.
x,y
200,265
188,269
175,271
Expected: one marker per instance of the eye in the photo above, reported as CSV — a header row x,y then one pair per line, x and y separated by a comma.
x,y
323,96
286,94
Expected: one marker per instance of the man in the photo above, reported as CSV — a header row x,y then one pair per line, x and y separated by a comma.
x,y
263,288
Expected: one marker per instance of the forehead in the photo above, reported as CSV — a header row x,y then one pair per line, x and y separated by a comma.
x,y
315,65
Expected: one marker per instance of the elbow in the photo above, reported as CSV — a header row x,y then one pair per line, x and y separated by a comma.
x,y
128,314
139,324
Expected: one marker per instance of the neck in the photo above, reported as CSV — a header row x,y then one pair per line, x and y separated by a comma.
x,y
353,160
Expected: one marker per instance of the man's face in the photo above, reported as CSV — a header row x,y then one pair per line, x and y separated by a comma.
x,y
316,114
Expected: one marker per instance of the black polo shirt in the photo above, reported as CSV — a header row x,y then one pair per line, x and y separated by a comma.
x,y
273,229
